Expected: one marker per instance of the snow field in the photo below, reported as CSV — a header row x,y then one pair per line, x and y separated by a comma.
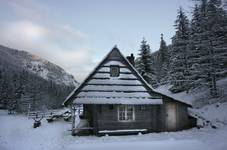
x,y
16,133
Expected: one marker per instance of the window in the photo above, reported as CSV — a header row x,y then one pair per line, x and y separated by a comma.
x,y
114,71
126,113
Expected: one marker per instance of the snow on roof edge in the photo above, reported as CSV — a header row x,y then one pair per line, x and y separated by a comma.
x,y
132,101
176,96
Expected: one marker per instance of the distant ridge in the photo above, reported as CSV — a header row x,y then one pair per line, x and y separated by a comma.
x,y
30,81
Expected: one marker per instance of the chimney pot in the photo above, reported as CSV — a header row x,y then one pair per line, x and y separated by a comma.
x,y
131,59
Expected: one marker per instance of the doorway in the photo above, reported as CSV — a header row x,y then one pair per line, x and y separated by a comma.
x,y
171,116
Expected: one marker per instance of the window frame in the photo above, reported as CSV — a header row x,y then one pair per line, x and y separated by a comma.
x,y
111,72
125,113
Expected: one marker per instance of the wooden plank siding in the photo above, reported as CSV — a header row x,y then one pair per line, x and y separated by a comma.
x,y
183,120
153,117
106,118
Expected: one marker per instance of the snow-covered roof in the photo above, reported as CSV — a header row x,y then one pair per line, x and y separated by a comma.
x,y
114,90
181,97
128,88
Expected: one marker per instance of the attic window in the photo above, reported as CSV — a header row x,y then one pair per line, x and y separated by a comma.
x,y
114,70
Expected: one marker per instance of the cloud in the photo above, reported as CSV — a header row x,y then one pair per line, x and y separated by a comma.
x,y
66,36
29,9
22,34
39,30
60,44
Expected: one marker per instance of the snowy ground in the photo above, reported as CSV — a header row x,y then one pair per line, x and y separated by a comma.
x,y
16,133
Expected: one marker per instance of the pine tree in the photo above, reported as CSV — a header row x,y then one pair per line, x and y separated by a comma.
x,y
179,54
195,48
163,62
208,44
216,18
144,63
4,93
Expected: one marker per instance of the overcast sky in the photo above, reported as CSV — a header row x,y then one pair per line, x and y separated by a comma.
x,y
77,34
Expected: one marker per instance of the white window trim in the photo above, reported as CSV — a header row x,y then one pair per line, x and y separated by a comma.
x,y
118,71
133,113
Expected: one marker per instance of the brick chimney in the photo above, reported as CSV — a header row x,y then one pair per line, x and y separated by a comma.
x,y
131,59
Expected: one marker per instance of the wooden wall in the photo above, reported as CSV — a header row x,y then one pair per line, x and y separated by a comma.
x,y
107,118
183,120
154,118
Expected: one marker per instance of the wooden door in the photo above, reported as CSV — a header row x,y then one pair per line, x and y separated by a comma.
x,y
171,116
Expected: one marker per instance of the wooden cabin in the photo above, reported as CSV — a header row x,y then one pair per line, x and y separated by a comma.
x,y
117,100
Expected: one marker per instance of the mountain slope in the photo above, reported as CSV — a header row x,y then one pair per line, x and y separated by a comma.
x,y
30,82
37,65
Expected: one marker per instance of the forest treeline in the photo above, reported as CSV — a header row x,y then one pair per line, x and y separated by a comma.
x,y
23,90
197,55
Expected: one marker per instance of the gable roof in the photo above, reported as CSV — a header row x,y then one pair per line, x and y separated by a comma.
x,y
128,88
